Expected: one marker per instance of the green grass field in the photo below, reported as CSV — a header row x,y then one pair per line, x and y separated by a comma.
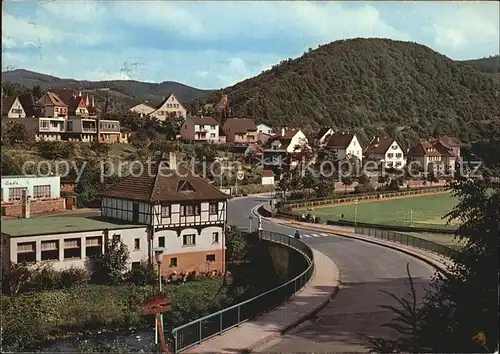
x,y
423,211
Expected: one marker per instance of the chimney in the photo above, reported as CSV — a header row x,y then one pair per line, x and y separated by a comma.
x,y
172,161
282,131
26,207
93,102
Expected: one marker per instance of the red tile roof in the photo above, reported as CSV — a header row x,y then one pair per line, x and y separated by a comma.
x,y
379,145
7,102
340,140
267,173
430,148
162,184
240,125
204,120
51,99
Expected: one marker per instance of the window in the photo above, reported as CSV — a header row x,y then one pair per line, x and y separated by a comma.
x,y
16,193
390,155
398,155
165,211
190,210
212,127
50,250
210,258
116,237
161,241
93,246
26,252
214,208
189,240
41,191
173,262
72,248
137,244
136,265
215,237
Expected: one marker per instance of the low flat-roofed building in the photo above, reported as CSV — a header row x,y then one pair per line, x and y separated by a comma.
x,y
67,241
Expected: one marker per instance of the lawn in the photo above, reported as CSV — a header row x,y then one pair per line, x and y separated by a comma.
x,y
424,211
443,239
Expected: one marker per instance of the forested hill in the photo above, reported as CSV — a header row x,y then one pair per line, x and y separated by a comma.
x,y
370,84
490,65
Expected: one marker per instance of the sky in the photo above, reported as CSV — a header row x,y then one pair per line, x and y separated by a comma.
x,y
210,44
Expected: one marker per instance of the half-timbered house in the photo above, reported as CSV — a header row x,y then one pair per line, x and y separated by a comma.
x,y
184,213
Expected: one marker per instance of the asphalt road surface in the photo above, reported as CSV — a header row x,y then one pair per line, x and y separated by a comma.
x,y
365,269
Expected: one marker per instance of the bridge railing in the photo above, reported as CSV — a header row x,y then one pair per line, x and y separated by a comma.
x,y
406,239
199,330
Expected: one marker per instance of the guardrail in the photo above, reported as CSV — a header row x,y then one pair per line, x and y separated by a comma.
x,y
197,331
406,239
293,204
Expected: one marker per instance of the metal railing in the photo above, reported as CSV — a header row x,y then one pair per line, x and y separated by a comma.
x,y
406,239
197,331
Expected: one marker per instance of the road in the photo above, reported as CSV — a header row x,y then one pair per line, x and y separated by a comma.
x,y
365,270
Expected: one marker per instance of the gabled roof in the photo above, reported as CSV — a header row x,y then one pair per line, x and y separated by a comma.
x,y
322,133
74,103
379,145
430,148
142,104
162,184
66,95
7,102
240,125
166,99
450,141
51,99
204,120
28,103
255,148
267,173
340,140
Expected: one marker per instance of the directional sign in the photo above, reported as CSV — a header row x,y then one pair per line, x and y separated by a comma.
x,y
240,175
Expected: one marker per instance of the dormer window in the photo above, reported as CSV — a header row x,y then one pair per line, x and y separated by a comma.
x,y
184,186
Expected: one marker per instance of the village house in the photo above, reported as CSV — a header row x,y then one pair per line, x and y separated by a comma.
x,y
253,152
385,151
265,129
451,143
12,107
344,144
170,106
267,178
240,131
321,138
204,129
142,109
432,155
53,106
281,151
170,209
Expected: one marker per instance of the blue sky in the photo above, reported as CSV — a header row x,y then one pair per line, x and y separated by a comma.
x,y
216,44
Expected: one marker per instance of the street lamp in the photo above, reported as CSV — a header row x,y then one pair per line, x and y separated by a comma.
x,y
159,258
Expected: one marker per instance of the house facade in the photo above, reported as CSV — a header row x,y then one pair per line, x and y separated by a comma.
x,y
385,151
432,155
265,129
12,107
14,188
267,178
204,129
170,106
281,151
185,215
53,106
344,144
142,109
240,130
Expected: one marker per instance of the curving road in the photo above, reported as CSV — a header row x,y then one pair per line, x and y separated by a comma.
x,y
365,269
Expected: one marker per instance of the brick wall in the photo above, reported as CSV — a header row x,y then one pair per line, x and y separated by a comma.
x,y
36,207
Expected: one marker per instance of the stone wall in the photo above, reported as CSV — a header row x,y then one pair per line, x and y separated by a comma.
x,y
36,207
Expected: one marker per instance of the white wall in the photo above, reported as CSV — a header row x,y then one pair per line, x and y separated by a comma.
x,y
16,106
203,240
28,183
262,128
298,139
211,134
127,236
354,148
394,156
267,180
142,109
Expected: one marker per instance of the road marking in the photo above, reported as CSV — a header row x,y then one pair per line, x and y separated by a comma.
x,y
315,235
306,235
323,234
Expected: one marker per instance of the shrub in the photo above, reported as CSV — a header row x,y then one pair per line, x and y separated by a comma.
x,y
142,275
44,277
73,276
364,188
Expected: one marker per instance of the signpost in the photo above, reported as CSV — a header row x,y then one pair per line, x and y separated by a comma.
x,y
239,177
156,306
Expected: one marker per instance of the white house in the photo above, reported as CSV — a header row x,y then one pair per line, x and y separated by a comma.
x,y
280,150
322,137
168,208
14,188
345,144
386,151
170,106
267,178
265,129
142,109
205,129
12,107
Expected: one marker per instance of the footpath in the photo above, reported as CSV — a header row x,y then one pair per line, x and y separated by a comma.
x,y
249,336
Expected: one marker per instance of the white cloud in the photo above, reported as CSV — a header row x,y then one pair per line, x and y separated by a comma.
x,y
86,11
21,32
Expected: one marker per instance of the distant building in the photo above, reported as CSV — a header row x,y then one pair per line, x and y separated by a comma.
x,y
143,109
170,106
281,151
267,177
203,129
433,155
15,187
265,129
385,151
12,107
321,138
344,144
240,131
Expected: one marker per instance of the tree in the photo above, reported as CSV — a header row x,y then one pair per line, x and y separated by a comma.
x,y
37,93
15,134
346,181
109,268
172,127
363,178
